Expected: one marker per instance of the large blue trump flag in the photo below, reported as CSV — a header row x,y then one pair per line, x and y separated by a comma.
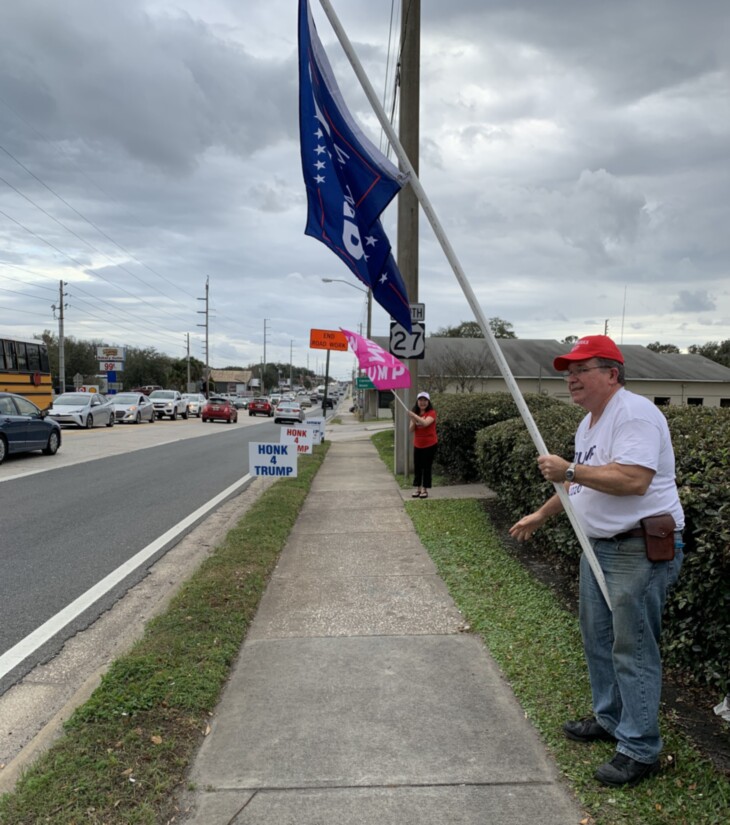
x,y
349,181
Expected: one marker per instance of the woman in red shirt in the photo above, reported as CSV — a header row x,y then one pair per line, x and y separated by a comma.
x,y
423,427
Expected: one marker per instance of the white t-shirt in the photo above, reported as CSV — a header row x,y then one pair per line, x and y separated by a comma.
x,y
631,430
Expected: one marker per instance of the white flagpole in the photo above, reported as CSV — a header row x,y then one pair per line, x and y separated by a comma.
x,y
400,401
491,341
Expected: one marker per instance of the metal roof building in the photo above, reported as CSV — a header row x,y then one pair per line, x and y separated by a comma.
x,y
465,365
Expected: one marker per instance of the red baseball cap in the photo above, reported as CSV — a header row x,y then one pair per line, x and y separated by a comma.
x,y
590,346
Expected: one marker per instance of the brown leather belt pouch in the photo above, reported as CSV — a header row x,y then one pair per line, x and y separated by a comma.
x,y
659,537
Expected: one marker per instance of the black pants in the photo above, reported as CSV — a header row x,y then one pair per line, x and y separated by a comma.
x,y
422,463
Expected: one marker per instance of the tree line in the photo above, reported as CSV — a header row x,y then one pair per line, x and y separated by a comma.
x,y
144,366
718,351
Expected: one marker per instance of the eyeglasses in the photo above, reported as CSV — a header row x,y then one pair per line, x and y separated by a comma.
x,y
580,370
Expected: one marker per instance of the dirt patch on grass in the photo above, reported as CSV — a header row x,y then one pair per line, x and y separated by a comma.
x,y
690,706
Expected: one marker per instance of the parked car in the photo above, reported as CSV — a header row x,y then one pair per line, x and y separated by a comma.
x,y
260,406
25,428
218,408
288,411
195,402
169,403
83,409
133,408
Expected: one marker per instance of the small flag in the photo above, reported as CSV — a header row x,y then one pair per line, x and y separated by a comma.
x,y
382,368
349,181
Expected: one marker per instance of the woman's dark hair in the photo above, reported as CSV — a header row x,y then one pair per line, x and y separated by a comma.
x,y
416,409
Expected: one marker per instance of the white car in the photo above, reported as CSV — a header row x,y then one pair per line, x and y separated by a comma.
x,y
169,403
133,408
195,402
83,409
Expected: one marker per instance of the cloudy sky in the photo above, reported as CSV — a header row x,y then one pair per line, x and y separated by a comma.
x,y
575,151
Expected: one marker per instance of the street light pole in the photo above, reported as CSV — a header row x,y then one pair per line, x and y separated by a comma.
x,y
370,394
368,292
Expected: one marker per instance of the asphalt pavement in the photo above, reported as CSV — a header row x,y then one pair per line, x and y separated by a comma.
x,y
357,696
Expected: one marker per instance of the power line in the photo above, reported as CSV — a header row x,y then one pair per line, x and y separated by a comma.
x,y
116,310
83,240
24,294
105,321
83,217
384,144
75,262
26,312
25,283
30,272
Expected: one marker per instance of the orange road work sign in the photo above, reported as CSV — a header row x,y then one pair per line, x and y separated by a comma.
x,y
327,339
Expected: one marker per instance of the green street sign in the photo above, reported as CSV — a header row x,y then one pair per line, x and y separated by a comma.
x,y
362,382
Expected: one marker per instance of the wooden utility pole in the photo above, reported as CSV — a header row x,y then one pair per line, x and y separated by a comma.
x,y
61,341
207,330
407,252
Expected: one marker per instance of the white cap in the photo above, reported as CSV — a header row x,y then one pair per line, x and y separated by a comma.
x,y
423,395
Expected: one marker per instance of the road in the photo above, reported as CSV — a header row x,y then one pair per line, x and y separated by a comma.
x,y
72,519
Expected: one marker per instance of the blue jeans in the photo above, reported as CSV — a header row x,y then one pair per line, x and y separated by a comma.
x,y
622,647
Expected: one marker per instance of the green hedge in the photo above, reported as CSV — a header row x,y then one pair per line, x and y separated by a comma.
x,y
699,611
507,462
459,418
697,626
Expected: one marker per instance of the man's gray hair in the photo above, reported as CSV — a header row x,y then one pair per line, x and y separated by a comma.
x,y
608,362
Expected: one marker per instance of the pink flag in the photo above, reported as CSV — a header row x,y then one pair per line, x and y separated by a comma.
x,y
382,368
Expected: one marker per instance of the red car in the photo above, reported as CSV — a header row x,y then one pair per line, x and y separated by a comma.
x,y
260,406
219,409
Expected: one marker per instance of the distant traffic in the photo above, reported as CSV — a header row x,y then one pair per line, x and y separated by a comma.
x,y
25,426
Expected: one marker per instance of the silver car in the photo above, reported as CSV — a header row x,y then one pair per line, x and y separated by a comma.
x,y
84,409
288,411
133,408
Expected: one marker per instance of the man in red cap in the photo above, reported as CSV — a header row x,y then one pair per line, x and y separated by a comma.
x,y
622,472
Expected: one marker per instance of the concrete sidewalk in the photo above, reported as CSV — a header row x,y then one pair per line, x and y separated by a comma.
x,y
356,698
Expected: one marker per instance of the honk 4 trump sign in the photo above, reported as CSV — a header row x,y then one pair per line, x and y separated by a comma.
x,y
301,438
272,460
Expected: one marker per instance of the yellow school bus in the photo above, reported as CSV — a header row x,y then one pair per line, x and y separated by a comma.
x,y
25,370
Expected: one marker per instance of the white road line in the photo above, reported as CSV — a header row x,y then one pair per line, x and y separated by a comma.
x,y
65,457
25,647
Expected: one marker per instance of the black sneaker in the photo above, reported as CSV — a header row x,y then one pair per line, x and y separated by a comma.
x,y
587,730
623,770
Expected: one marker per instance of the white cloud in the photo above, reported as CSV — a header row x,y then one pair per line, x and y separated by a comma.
x,y
576,154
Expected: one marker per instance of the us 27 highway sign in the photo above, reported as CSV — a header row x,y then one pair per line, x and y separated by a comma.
x,y
404,344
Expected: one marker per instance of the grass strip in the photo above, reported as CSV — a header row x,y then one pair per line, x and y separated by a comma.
x,y
126,751
538,646
385,442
